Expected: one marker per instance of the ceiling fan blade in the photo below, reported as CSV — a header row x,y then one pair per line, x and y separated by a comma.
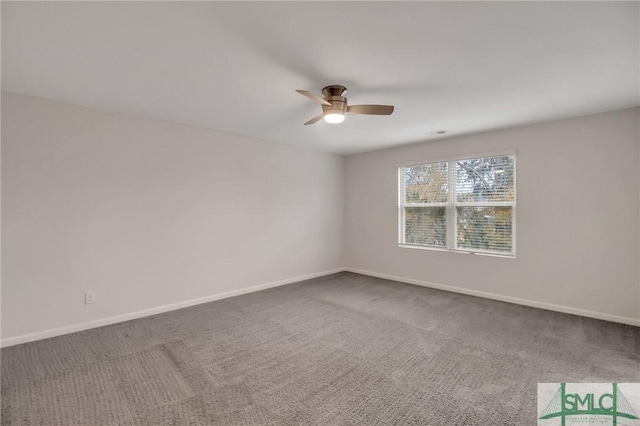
x,y
314,119
313,97
371,109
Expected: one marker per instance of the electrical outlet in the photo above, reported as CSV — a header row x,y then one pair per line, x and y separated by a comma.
x,y
90,297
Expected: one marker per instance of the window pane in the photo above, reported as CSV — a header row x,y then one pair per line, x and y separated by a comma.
x,y
426,183
485,179
484,228
426,226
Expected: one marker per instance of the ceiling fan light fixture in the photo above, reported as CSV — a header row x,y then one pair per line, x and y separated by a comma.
x,y
334,106
334,117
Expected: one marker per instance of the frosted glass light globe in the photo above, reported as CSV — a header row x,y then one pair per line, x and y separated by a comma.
x,y
334,118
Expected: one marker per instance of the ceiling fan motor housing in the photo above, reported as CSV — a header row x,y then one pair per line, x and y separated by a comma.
x,y
333,94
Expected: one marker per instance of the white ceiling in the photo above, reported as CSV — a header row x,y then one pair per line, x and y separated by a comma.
x,y
460,66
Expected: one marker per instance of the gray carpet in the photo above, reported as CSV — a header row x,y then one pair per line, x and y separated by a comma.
x,y
343,349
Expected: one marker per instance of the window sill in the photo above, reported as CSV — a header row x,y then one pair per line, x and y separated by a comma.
x,y
478,253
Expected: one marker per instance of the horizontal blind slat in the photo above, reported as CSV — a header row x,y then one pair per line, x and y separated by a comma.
x,y
426,226
485,228
485,179
427,183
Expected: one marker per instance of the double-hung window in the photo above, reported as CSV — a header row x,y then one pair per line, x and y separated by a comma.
x,y
463,205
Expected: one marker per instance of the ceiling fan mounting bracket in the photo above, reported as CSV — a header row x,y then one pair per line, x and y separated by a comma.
x,y
334,91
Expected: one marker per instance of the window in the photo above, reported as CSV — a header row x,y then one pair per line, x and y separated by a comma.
x,y
463,205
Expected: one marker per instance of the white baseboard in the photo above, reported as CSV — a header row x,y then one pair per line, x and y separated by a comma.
x,y
509,299
171,307
10,341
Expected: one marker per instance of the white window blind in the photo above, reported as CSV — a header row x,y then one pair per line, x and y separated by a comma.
x,y
465,205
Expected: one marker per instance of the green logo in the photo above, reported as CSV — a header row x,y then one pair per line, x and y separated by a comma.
x,y
586,402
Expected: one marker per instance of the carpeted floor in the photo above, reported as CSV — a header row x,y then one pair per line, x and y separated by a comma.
x,y
343,349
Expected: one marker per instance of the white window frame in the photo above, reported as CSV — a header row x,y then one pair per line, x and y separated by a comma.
x,y
451,207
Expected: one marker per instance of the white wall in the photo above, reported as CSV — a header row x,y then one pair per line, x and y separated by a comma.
x,y
577,217
148,213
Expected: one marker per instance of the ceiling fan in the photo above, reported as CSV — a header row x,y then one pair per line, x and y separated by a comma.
x,y
334,105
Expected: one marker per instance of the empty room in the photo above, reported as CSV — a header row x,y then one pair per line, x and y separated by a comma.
x,y
320,213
